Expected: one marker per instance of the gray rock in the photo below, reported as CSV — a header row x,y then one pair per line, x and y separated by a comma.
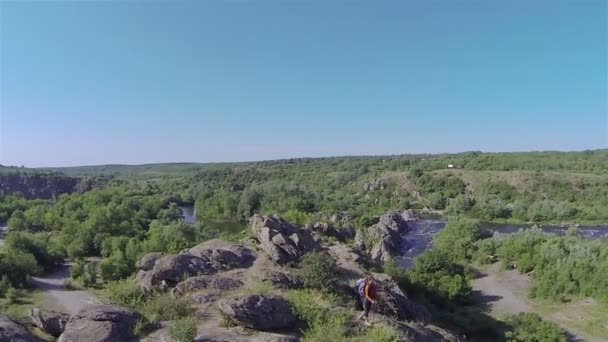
x,y
394,303
225,253
147,262
101,323
325,229
198,299
410,215
280,240
174,268
280,280
266,313
50,321
206,282
384,239
11,331
347,232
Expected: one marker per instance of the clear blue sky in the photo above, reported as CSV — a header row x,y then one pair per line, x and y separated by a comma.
x,y
95,82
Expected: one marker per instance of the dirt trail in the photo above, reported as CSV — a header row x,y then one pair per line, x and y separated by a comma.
x,y
61,299
506,293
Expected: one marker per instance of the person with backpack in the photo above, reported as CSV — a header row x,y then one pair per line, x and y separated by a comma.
x,y
366,287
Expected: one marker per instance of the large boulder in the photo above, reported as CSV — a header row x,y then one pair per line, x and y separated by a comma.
x,y
101,323
384,239
279,279
12,331
393,302
283,242
50,321
147,262
225,253
342,234
171,269
410,215
266,313
198,283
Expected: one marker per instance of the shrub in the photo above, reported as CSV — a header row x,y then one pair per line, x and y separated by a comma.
x,y
443,280
318,270
260,288
164,308
124,292
183,330
89,278
77,269
71,285
333,328
382,334
530,327
5,284
13,295
315,310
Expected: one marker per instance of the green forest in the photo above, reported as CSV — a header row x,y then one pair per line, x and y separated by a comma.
x,y
119,213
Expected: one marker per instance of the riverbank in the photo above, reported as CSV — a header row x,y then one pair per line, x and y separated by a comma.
x,y
506,293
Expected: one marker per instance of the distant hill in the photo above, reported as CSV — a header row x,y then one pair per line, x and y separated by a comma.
x,y
34,184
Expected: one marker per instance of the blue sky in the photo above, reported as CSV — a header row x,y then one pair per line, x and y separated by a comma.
x,y
137,82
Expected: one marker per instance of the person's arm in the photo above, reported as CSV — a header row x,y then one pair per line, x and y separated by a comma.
x,y
367,294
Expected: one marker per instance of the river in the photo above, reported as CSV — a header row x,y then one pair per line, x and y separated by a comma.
x,y
3,232
420,236
188,213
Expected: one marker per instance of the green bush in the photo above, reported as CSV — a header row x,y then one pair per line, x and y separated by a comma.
x,y
441,279
5,284
308,306
124,292
526,327
333,328
13,295
183,330
318,271
382,334
163,307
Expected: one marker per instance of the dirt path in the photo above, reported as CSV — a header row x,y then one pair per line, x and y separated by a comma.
x,y
506,293
59,298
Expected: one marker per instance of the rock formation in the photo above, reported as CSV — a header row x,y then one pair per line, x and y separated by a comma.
x,y
266,313
280,240
101,323
383,240
50,321
12,331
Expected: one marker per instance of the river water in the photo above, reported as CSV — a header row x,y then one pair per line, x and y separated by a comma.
x,y
420,236
188,213
3,232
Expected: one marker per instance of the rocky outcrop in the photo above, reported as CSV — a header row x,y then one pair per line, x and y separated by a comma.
x,y
384,239
342,219
266,313
207,258
50,321
147,262
410,215
228,254
173,268
101,323
12,331
280,240
394,303
44,185
342,234
280,280
193,284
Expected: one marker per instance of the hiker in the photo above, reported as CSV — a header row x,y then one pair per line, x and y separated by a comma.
x,y
367,291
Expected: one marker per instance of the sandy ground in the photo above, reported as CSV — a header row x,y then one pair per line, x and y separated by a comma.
x,y
506,293
58,297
